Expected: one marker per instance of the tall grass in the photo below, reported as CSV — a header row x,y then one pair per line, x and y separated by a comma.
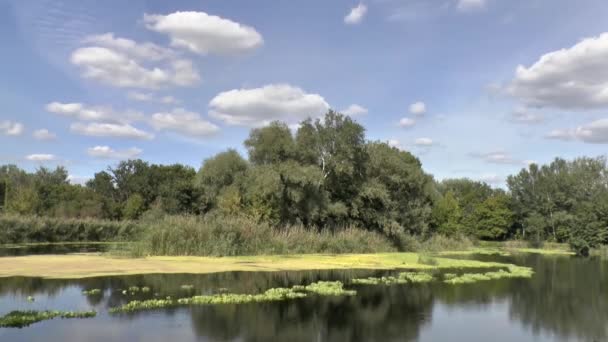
x,y
214,235
26,229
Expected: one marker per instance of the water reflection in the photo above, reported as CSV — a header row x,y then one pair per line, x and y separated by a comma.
x,y
567,299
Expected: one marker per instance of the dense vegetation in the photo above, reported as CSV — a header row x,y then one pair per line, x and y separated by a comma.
x,y
324,188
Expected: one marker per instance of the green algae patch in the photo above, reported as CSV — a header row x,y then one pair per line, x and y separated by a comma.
x,y
322,288
91,292
469,278
88,265
21,319
402,278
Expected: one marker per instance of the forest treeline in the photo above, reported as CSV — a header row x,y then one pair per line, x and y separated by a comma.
x,y
327,177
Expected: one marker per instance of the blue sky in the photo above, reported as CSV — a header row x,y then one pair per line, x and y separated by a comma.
x,y
474,88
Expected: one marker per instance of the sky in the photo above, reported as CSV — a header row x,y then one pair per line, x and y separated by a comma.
x,y
474,88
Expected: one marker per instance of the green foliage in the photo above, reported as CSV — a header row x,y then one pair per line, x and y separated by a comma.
x,y
20,319
218,235
493,218
402,278
468,278
447,215
134,207
271,144
21,229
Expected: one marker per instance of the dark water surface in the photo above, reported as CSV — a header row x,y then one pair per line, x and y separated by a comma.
x,y
566,300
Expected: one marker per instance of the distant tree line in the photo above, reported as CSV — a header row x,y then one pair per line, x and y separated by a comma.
x,y
327,176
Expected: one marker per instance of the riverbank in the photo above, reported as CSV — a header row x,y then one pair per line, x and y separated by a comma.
x,y
75,266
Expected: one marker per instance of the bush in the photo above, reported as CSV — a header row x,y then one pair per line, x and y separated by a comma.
x,y
217,235
438,243
24,229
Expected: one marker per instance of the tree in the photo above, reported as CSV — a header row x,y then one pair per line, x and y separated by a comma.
x,y
271,144
217,173
447,215
134,207
493,217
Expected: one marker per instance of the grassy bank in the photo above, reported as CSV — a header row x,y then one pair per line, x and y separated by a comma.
x,y
33,229
230,236
85,266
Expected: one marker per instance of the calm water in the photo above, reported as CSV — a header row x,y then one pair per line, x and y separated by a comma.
x,y
566,300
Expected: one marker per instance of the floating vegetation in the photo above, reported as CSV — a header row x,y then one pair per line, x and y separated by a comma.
x,y
468,278
187,287
145,289
402,278
134,288
20,319
30,299
323,288
329,288
91,292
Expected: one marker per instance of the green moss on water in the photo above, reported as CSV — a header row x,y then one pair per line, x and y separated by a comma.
x,y
323,288
402,278
20,319
468,278
145,289
187,287
91,292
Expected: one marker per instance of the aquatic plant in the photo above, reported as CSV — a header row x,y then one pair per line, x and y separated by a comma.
x,y
20,319
468,278
134,289
323,288
91,292
145,289
187,287
329,288
30,299
402,278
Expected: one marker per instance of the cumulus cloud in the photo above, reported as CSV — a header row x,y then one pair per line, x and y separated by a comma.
x,y
526,116
44,134
470,5
354,110
83,112
143,51
96,129
418,108
499,157
595,132
79,180
424,142
40,157
149,97
11,128
575,78
203,34
118,69
356,14
396,143
260,106
407,122
109,153
183,122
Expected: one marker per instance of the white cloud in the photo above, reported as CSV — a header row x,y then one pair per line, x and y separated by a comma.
x,y
260,106
524,115
499,157
83,112
418,108
575,78
79,180
44,134
11,128
396,144
143,51
492,178
110,130
595,132
407,122
40,157
356,14
109,153
117,69
425,142
470,5
183,122
204,34
149,97
354,110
